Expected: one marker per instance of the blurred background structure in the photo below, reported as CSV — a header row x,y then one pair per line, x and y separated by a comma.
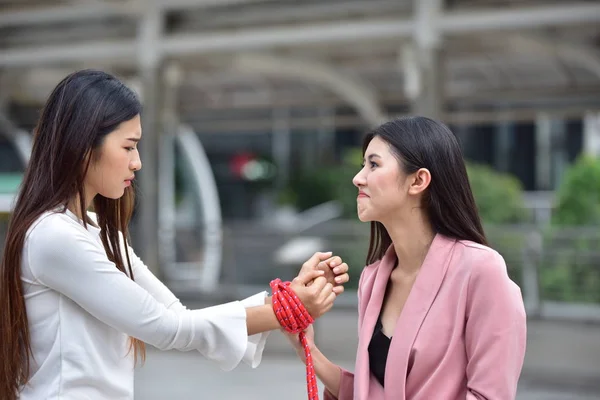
x,y
254,114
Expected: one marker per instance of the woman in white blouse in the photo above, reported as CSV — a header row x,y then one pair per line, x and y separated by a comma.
x,y
76,303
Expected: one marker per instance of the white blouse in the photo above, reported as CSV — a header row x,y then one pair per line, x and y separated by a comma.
x,y
82,310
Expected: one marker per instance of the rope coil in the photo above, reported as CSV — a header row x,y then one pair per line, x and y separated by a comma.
x,y
294,318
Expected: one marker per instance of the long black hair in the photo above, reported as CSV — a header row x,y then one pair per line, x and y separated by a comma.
x,y
83,108
420,142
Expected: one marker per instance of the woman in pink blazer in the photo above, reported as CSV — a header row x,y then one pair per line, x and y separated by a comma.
x,y
439,318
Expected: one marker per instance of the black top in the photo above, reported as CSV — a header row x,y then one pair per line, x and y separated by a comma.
x,y
378,352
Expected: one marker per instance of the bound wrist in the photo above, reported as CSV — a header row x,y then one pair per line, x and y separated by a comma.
x,y
313,351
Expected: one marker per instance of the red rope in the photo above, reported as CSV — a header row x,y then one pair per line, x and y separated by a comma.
x,y
294,318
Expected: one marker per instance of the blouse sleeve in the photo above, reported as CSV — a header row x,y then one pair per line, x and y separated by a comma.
x,y
495,332
147,280
68,260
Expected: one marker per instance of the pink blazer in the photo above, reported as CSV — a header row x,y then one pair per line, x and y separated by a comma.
x,y
461,334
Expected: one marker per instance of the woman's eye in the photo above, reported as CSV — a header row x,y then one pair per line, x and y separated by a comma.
x,y
372,164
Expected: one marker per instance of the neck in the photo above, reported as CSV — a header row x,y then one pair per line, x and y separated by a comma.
x,y
411,237
75,206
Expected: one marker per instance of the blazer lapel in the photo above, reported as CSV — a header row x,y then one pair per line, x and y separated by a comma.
x,y
373,308
418,303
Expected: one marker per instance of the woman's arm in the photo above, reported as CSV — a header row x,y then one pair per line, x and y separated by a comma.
x,y
339,383
329,373
317,298
68,260
495,332
260,318
335,270
147,280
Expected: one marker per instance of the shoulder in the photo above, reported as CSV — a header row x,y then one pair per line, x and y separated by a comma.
x,y
488,285
57,245
52,222
52,231
472,254
482,263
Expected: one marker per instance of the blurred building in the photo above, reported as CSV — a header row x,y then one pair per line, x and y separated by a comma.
x,y
293,83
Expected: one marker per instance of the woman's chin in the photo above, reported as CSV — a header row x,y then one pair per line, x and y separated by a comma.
x,y
363,216
116,195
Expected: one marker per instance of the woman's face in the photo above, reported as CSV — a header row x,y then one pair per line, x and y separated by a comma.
x,y
112,170
381,183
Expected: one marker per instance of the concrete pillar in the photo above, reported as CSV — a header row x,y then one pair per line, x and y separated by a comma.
x,y
166,169
560,158
503,141
429,98
591,133
146,238
550,154
429,102
543,148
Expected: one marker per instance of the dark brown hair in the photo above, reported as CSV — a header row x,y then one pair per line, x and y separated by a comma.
x,y
420,142
83,108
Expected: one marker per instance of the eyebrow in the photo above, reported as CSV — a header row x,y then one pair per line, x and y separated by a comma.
x,y
371,156
134,139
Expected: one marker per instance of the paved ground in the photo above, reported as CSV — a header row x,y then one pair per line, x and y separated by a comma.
x,y
183,376
562,363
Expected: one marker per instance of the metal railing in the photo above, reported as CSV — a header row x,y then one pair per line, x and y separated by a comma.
x,y
558,270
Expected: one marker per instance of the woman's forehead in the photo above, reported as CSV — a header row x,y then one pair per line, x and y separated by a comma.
x,y
377,146
131,129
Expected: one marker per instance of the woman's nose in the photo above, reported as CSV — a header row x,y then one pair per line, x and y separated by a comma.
x,y
136,165
359,179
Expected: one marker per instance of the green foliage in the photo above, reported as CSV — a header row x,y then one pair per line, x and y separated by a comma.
x,y
569,267
569,271
511,247
579,194
316,186
498,195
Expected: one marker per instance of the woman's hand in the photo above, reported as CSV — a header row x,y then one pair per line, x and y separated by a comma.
x,y
317,298
336,271
295,341
320,280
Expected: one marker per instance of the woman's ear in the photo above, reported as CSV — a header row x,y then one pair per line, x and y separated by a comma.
x,y
420,181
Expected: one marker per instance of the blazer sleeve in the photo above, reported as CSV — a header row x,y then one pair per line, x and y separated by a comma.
x,y
346,387
495,332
